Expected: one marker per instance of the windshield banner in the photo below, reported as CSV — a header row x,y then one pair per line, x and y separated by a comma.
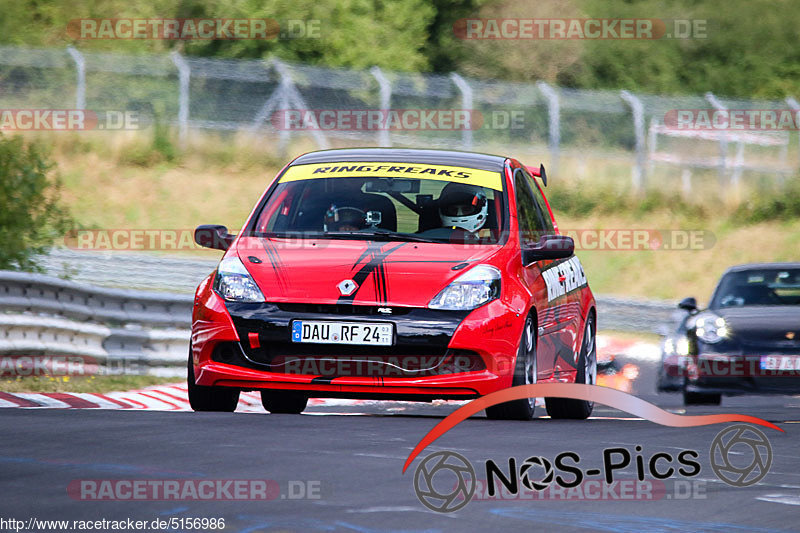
x,y
470,176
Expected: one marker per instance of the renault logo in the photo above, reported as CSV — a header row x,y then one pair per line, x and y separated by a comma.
x,y
347,287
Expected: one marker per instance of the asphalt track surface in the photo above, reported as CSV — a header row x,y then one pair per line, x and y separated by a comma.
x,y
356,454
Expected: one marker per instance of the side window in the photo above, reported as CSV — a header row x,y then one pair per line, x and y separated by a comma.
x,y
531,225
541,205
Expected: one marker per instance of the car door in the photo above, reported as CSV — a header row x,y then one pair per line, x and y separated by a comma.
x,y
557,317
531,227
567,309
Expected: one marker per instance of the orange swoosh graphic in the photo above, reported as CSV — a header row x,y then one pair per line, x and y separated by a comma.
x,y
592,393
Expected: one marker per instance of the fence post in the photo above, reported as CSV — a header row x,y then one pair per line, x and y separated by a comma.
x,y
386,104
686,182
80,67
652,142
554,122
638,172
284,96
791,102
723,138
184,72
466,103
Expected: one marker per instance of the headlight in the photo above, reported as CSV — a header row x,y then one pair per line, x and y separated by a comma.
x,y
470,290
711,328
234,283
676,346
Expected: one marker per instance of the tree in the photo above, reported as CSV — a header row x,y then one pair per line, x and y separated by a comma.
x,y
30,214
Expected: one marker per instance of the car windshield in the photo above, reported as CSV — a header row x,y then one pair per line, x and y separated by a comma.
x,y
757,288
377,204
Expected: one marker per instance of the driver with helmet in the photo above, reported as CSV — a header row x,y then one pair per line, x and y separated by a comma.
x,y
464,207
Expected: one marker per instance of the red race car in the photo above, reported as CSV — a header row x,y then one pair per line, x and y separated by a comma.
x,y
394,274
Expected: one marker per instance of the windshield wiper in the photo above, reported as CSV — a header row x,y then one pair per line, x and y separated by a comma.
x,y
389,235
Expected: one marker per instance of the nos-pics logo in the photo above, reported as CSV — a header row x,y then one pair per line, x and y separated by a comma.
x,y
445,481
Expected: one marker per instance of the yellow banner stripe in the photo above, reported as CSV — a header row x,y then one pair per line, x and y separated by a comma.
x,y
470,176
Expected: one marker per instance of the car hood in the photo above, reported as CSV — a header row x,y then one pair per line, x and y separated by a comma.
x,y
763,323
385,273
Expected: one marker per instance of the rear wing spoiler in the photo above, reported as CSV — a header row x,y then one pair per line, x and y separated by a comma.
x,y
539,173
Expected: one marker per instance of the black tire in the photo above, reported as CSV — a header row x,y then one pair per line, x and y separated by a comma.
x,y
700,398
283,402
525,369
568,408
201,398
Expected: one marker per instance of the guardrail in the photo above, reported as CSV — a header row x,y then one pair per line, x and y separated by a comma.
x,y
45,294
628,314
118,330
131,331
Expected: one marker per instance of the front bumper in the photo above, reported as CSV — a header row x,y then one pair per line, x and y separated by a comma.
x,y
435,354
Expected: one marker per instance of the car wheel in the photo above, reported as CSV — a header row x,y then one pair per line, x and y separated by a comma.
x,y
525,370
587,374
283,402
203,398
700,398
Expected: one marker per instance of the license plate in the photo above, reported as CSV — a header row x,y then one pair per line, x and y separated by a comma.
x,y
379,334
780,362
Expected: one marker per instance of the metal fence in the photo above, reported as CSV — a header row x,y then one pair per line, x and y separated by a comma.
x,y
559,124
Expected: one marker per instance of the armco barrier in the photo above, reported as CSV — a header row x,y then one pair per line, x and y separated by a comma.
x,y
628,314
122,330
20,291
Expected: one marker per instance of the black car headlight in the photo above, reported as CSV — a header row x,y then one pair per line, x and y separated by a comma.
x,y
711,328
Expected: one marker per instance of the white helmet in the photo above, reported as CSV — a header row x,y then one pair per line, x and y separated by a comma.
x,y
463,206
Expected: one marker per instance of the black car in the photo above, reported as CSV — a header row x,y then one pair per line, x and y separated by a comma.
x,y
746,342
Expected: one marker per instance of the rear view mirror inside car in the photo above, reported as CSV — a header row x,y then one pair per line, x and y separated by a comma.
x,y
392,186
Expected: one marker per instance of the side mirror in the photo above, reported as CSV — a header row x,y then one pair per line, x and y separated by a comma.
x,y
213,236
688,304
548,247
